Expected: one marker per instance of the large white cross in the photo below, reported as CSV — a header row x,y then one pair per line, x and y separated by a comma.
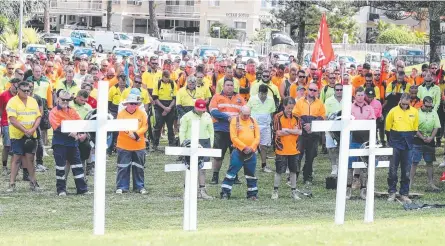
x,y
101,126
345,126
191,176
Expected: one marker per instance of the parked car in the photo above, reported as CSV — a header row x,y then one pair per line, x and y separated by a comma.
x,y
168,47
148,49
78,26
280,57
108,41
38,25
62,43
246,53
83,51
202,51
142,40
32,49
120,53
82,38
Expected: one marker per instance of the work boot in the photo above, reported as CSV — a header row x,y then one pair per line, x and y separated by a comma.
x,y
25,175
391,197
225,196
202,194
266,169
11,188
274,195
334,171
215,178
363,193
89,169
34,186
294,195
324,150
405,199
348,193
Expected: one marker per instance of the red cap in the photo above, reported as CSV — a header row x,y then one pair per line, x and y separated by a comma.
x,y
200,105
42,56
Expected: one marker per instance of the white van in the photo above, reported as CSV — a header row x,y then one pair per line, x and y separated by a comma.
x,y
108,41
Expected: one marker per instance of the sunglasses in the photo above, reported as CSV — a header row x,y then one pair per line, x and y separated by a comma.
x,y
302,77
65,100
138,82
313,90
332,78
428,106
368,80
134,104
338,89
313,69
10,68
26,91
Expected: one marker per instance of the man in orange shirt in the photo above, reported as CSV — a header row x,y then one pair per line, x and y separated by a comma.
x,y
287,127
131,148
359,80
278,78
245,136
414,99
244,84
250,71
309,108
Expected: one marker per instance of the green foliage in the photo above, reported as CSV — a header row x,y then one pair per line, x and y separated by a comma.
x,y
401,35
30,36
260,35
225,31
10,40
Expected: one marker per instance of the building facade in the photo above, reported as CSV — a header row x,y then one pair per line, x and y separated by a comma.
x,y
132,16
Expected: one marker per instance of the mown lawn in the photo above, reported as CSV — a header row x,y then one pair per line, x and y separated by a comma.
x,y
156,219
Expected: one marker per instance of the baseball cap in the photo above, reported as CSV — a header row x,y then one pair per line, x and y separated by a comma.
x,y
301,87
200,105
370,92
240,66
42,56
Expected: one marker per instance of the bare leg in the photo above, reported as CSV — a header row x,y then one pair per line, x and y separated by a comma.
x,y
429,171
263,154
14,168
202,178
28,162
217,163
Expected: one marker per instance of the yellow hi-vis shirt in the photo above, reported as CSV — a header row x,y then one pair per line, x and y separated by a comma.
x,y
402,120
25,114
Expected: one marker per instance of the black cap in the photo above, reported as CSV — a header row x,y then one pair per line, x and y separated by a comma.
x,y
424,66
352,66
370,92
168,61
366,66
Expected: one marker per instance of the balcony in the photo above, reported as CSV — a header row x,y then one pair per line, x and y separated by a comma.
x,y
68,7
190,11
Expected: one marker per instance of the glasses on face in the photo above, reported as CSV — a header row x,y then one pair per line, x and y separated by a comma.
x,y
332,78
133,104
25,91
313,69
199,77
313,90
138,82
10,68
377,74
434,68
428,107
302,77
154,64
368,80
338,89
53,66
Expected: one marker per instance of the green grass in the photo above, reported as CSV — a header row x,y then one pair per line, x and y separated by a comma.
x,y
156,219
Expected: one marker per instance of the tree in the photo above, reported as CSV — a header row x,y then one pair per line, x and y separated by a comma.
x,y
46,20
419,10
396,36
109,9
304,18
224,31
153,21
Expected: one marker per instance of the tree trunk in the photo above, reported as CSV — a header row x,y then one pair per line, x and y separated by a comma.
x,y
435,33
46,20
109,9
153,21
301,33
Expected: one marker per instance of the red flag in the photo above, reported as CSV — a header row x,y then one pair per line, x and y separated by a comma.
x,y
323,52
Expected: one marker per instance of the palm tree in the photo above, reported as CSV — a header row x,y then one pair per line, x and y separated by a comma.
x,y
46,21
153,21
109,9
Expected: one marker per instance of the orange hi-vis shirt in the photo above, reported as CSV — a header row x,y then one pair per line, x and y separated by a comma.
x,y
244,83
112,82
286,145
250,77
309,111
277,80
244,133
124,141
381,88
293,90
358,81
52,78
228,105
418,80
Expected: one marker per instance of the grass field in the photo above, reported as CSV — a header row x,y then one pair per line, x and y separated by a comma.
x,y
156,219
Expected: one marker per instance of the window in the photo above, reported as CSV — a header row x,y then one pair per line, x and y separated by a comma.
x,y
273,3
134,2
190,3
117,1
172,2
214,3
240,25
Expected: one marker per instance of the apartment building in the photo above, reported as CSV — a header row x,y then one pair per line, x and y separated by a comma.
x,y
195,15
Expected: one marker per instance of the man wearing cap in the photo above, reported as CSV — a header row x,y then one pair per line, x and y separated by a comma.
x,y
262,108
206,137
369,83
4,99
360,110
223,107
24,118
244,89
131,148
377,106
65,145
332,106
245,136
187,96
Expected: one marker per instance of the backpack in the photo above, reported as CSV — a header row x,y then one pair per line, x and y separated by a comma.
x,y
275,99
287,87
170,81
238,125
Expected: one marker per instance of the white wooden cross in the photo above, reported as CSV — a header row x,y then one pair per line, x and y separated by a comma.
x,y
191,176
345,126
101,126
